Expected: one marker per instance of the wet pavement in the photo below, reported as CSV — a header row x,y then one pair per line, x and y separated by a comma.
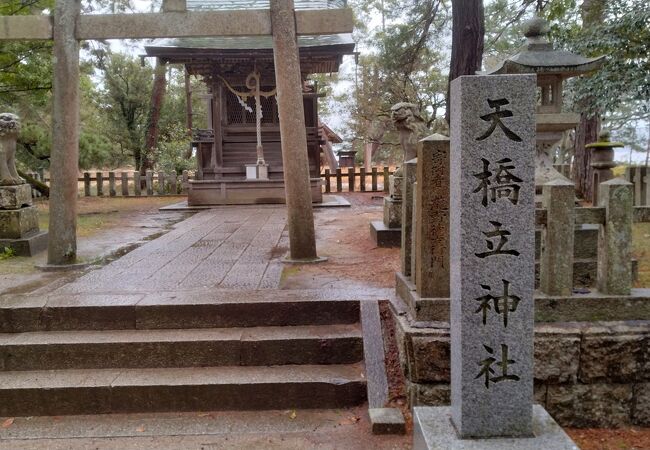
x,y
225,247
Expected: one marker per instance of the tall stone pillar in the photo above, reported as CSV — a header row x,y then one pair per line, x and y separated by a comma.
x,y
62,243
300,215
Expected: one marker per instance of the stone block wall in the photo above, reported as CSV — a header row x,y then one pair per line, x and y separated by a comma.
x,y
586,374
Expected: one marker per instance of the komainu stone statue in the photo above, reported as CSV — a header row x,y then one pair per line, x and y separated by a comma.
x,y
9,129
408,121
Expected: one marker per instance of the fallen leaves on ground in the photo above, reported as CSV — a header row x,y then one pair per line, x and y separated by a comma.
x,y
292,414
350,420
7,423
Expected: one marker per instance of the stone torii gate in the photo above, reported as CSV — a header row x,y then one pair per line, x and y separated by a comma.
x,y
67,26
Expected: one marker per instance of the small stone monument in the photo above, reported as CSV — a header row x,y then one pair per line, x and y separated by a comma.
x,y
18,217
602,161
492,251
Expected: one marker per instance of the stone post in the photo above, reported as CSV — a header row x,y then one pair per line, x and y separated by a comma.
x,y
62,242
161,183
137,184
87,184
173,179
149,182
492,258
432,229
556,259
124,183
615,238
297,186
111,184
99,181
415,219
409,171
185,178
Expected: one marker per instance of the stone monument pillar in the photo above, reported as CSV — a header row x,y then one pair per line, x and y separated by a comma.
x,y
492,251
18,217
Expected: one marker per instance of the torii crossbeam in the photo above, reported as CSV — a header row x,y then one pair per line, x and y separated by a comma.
x,y
67,26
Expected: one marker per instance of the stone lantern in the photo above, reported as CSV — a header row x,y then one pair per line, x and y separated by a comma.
x,y
552,68
602,161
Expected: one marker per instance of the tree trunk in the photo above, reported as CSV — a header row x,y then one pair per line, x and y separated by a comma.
x,y
467,37
589,127
152,133
582,172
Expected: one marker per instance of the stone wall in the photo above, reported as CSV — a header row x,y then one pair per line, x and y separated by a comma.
x,y
586,374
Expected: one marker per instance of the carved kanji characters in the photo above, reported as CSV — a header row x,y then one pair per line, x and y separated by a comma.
x,y
503,364
495,117
497,249
504,184
503,304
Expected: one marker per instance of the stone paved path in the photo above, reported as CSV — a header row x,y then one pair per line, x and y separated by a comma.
x,y
233,247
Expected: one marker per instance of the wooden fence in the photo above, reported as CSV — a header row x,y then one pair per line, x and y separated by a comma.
x,y
639,176
133,184
359,179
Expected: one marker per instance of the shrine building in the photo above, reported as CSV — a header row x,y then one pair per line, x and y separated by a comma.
x,y
239,155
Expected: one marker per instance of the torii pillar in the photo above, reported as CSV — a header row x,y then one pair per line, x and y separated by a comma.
x,y
64,158
300,215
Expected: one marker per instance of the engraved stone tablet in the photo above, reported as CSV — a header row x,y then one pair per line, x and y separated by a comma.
x,y
492,254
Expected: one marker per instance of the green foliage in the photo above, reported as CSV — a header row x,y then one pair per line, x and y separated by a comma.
x,y
624,38
402,61
6,253
171,150
25,67
124,100
503,35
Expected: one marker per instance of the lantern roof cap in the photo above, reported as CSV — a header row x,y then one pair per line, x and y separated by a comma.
x,y
538,56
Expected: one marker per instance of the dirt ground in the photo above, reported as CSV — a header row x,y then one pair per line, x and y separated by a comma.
x,y
354,260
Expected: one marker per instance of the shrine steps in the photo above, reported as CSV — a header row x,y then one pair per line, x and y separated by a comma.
x,y
100,391
54,350
179,354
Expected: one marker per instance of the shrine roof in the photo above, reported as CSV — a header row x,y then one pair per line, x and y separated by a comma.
x,y
211,5
245,43
318,53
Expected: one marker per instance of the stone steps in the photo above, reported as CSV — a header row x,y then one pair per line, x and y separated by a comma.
x,y
311,344
67,353
102,391
134,311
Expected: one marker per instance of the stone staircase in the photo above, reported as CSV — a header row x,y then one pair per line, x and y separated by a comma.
x,y
152,353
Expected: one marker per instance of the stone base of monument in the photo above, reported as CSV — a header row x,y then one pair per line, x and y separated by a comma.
x,y
19,221
28,245
385,236
387,421
433,429
422,309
